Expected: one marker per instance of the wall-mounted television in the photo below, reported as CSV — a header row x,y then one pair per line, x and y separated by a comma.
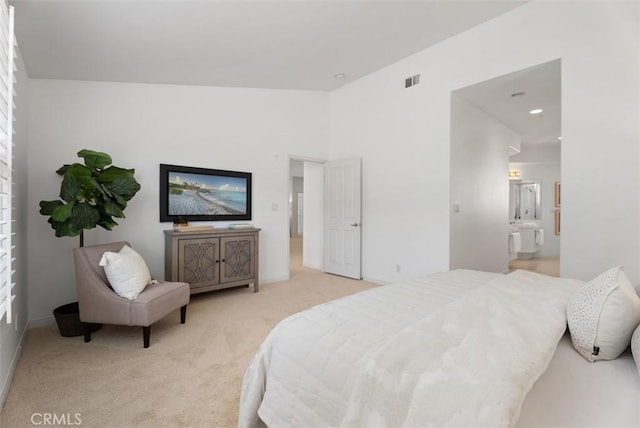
x,y
202,194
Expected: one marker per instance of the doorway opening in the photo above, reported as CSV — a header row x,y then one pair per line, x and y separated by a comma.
x,y
505,172
306,179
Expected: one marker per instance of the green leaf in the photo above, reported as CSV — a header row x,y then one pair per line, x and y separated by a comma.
x,y
94,160
77,170
113,209
62,212
62,229
91,188
126,187
78,184
113,172
120,200
84,216
63,169
107,224
71,189
47,207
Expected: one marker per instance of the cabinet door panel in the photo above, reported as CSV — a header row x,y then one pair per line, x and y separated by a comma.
x,y
237,255
198,261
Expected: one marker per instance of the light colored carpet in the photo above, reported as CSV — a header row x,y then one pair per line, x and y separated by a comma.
x,y
191,374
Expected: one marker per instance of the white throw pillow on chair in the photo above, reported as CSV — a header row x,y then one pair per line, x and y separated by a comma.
x,y
635,347
602,316
127,272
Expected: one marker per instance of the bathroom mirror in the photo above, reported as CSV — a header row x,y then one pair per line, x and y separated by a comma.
x,y
524,200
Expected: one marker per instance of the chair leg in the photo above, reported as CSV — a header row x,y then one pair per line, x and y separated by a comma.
x,y
86,329
183,314
146,334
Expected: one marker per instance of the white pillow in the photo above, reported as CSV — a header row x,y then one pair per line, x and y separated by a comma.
x,y
127,272
602,316
635,347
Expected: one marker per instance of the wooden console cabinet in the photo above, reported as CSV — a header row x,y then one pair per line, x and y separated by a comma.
x,y
213,259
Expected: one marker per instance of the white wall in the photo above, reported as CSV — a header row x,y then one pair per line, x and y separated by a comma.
x,y
313,226
480,188
538,153
143,125
12,335
403,135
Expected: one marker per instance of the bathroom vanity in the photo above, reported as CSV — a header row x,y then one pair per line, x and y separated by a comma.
x,y
524,219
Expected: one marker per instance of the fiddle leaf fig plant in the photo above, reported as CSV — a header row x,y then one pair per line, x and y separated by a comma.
x,y
90,195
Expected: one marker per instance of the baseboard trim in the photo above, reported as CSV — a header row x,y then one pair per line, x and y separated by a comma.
x,y
41,322
6,383
312,266
377,281
276,279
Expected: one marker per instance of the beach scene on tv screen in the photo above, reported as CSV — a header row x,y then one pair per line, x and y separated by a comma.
x,y
201,194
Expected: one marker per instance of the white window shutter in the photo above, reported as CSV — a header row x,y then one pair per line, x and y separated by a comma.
x,y
7,80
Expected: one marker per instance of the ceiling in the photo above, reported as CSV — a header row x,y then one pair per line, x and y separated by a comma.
x,y
510,98
294,44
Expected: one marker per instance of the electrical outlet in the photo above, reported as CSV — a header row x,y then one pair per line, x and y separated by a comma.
x,y
398,268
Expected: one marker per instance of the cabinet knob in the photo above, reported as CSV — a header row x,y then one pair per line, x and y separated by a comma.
x,y
224,261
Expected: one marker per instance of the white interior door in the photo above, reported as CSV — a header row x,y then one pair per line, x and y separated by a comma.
x,y
343,232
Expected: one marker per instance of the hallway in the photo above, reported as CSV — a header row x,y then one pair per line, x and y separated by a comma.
x,y
295,255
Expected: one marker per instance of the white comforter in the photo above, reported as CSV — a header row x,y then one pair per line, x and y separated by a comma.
x,y
461,348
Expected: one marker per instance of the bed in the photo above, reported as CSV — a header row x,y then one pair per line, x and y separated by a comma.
x,y
461,348
573,392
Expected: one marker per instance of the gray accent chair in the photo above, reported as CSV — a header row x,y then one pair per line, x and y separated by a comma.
x,y
99,304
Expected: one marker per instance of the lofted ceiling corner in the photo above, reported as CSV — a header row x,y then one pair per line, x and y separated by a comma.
x,y
295,44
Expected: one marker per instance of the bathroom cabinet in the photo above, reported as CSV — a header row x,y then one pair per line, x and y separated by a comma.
x,y
531,239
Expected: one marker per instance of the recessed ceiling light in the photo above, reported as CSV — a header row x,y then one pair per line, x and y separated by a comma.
x,y
339,76
560,138
536,111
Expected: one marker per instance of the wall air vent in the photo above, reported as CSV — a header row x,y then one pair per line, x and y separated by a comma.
x,y
411,81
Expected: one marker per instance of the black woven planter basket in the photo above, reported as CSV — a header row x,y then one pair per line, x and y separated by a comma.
x,y
68,320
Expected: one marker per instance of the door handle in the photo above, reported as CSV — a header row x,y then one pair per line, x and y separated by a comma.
x,y
355,224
